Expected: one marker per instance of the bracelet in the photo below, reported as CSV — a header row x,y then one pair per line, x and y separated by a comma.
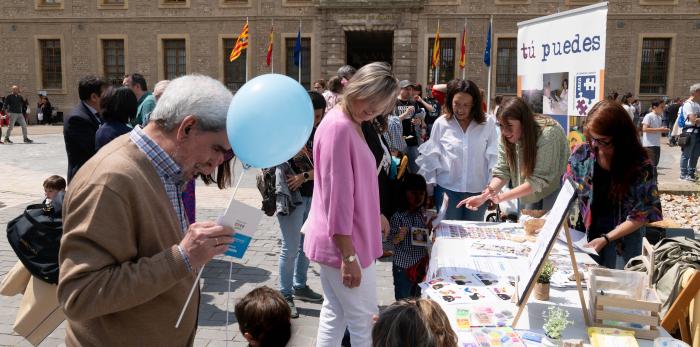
x,y
607,239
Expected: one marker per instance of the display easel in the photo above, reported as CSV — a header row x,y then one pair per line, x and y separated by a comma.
x,y
564,201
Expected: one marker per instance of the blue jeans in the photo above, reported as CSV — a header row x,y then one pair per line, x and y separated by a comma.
x,y
403,288
412,152
631,247
454,213
689,157
293,263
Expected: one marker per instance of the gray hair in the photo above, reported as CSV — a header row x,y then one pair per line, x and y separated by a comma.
x,y
346,71
373,82
193,95
160,88
694,88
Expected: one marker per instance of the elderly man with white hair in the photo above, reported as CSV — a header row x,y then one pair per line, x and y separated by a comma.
x,y
128,254
691,151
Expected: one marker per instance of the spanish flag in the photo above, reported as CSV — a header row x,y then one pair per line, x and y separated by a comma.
x,y
436,48
269,46
241,43
463,54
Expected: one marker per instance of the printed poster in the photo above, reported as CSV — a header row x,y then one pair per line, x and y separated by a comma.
x,y
561,65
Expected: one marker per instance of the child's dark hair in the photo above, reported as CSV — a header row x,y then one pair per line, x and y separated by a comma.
x,y
411,182
656,102
265,315
55,182
317,100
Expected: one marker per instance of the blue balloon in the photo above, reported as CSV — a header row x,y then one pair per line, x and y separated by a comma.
x,y
269,120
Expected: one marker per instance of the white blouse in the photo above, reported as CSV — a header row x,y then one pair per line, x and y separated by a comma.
x,y
457,160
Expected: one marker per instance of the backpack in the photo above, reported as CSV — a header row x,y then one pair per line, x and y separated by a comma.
x,y
266,185
35,236
681,118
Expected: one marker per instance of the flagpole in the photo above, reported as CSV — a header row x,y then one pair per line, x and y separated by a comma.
x,y
437,66
488,88
246,54
300,50
272,56
464,69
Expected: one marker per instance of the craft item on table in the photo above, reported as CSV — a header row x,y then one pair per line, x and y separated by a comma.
x,y
530,336
533,213
487,279
533,226
503,250
489,316
462,319
492,337
503,292
669,342
611,337
419,236
573,343
579,240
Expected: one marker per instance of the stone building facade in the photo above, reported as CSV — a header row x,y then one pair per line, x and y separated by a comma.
x,y
49,44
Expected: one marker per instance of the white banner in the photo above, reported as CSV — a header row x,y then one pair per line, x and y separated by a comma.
x,y
561,62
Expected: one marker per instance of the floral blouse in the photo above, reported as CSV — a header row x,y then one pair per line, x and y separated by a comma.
x,y
641,203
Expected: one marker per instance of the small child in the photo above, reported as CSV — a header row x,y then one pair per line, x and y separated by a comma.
x,y
411,214
420,321
53,186
264,318
652,127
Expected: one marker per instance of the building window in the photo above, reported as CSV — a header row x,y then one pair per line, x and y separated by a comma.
x,y
447,60
174,58
49,4
293,70
113,61
234,72
51,74
174,3
506,66
112,4
654,70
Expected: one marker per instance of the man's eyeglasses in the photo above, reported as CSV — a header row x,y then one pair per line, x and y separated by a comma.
x,y
601,142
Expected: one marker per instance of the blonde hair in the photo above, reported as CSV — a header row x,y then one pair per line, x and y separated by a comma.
x,y
373,82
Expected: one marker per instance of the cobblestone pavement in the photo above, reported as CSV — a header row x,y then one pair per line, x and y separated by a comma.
x,y
23,169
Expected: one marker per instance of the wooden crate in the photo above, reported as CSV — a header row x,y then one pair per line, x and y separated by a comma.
x,y
609,302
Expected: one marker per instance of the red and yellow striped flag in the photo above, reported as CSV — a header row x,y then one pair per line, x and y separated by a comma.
x,y
436,49
269,46
463,49
241,43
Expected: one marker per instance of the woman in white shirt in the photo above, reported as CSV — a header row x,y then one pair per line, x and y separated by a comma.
x,y
462,150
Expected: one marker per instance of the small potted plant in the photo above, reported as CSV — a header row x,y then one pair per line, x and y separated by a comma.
x,y
555,321
542,285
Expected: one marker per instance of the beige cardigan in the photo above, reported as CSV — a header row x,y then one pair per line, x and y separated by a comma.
x,y
122,279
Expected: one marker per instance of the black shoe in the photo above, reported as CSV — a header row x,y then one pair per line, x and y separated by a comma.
x,y
292,307
7,140
308,295
27,140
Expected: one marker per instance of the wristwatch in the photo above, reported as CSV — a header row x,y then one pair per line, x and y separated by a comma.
x,y
349,259
306,176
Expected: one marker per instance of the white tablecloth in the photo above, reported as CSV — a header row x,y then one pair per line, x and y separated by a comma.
x,y
448,252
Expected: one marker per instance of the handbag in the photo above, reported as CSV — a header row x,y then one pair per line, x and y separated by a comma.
x,y
416,273
684,139
35,236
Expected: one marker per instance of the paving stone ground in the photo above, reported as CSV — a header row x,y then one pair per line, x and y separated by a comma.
x,y
22,171
24,167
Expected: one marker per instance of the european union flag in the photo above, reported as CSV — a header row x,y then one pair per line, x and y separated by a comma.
x,y
487,50
297,49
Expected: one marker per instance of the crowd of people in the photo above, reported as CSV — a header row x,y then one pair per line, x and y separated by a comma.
x,y
382,158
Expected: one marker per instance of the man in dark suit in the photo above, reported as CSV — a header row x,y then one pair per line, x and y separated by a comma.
x,y
80,126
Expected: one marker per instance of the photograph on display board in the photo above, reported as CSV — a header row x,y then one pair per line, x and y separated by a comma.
x,y
555,94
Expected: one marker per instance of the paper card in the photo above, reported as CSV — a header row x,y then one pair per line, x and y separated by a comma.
x,y
443,211
497,337
462,318
244,220
419,236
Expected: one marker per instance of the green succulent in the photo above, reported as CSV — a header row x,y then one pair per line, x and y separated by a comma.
x,y
547,271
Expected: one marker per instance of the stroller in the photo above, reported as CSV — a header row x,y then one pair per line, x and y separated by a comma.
x,y
504,212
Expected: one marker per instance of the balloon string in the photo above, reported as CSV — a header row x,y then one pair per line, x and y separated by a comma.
x,y
228,296
199,274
